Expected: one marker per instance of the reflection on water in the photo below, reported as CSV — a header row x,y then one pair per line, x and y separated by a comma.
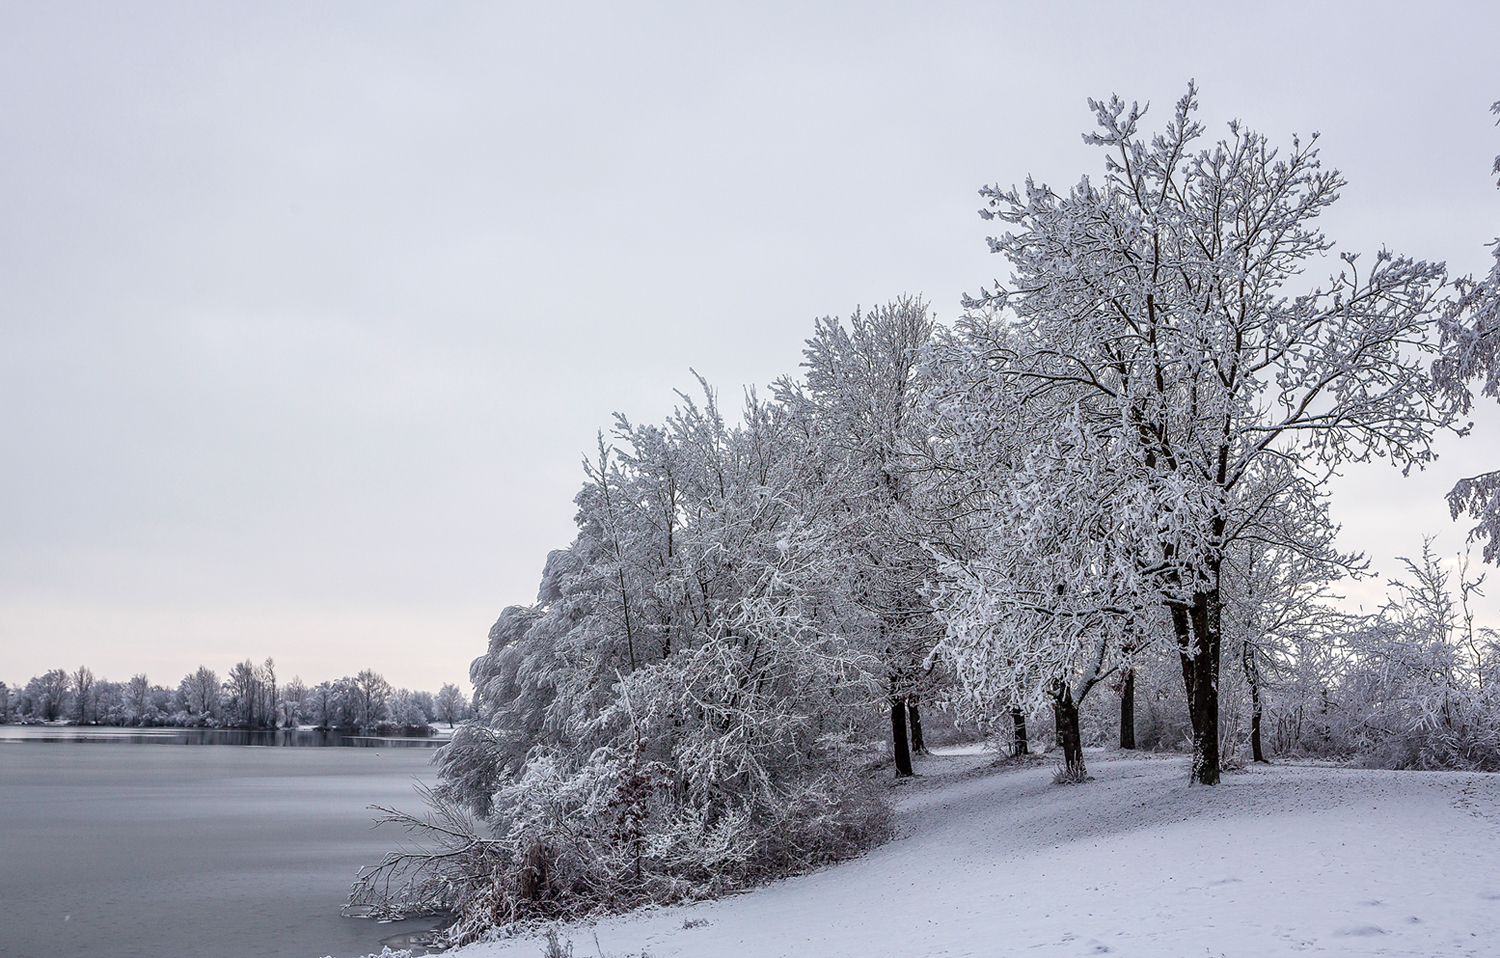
x,y
211,736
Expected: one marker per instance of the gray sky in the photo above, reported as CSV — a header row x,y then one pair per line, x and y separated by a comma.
x,y
309,312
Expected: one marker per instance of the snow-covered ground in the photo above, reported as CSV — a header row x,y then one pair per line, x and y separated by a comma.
x,y
1002,862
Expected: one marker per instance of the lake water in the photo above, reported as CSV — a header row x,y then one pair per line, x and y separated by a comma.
x,y
116,845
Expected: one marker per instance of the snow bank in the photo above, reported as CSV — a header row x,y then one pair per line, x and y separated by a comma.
x,y
1275,861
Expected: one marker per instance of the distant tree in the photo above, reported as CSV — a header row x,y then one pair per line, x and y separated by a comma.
x,y
370,690
425,705
450,704
404,709
322,704
107,702
83,687
7,704
291,709
200,696
242,693
1277,600
266,674
139,707
46,695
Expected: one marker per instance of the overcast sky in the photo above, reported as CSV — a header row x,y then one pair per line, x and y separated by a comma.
x,y
309,311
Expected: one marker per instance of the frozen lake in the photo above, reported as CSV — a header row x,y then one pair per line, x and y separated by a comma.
x,y
125,848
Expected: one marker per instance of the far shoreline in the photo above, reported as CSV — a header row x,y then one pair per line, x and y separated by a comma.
x,y
299,737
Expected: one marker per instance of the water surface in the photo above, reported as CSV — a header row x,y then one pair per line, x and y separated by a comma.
x,y
126,849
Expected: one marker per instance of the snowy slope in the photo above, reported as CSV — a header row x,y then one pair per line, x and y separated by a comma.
x,y
1001,862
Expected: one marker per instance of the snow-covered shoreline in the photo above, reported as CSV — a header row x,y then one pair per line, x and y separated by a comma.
x,y
1275,861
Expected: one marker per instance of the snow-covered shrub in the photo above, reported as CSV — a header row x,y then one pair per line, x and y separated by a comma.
x,y
1419,689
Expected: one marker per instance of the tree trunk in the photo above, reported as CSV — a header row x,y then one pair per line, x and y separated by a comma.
x,y
914,717
898,735
1065,711
1018,744
1255,749
1203,663
1182,627
1252,679
1127,711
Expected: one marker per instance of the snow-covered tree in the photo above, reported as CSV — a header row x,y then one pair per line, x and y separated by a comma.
x,y
1162,323
669,719
243,695
45,697
325,704
291,710
1038,608
367,693
140,709
860,411
83,691
1278,604
200,697
1471,350
449,706
404,709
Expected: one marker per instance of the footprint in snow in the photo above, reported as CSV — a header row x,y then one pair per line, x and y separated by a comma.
x,y
1360,931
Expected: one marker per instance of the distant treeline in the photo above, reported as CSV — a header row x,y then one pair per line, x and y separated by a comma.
x,y
248,697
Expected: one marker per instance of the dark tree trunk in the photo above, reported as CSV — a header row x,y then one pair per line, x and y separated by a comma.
x,y
1256,753
1203,664
898,735
1182,627
1252,679
1065,711
1018,744
1127,710
914,717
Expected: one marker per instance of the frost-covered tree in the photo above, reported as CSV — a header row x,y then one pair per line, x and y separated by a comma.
x,y
860,409
449,705
200,697
106,702
367,693
425,705
1278,602
404,709
291,709
1038,609
670,719
1471,350
324,705
243,695
45,697
1162,320
83,693
140,709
